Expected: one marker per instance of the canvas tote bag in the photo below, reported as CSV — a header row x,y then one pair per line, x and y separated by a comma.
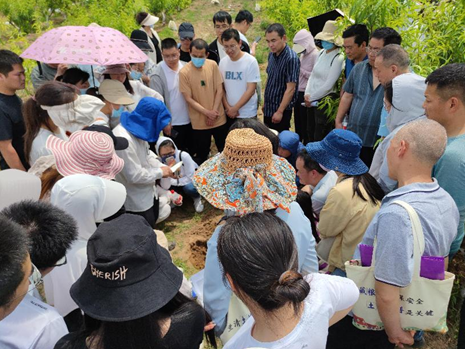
x,y
423,303
238,313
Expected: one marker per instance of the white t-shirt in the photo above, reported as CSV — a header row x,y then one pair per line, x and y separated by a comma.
x,y
179,110
221,51
236,75
328,294
32,325
243,38
38,148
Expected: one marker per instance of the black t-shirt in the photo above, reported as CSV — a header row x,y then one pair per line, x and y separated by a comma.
x,y
185,332
185,56
12,126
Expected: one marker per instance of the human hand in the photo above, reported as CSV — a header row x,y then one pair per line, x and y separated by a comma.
x,y
210,326
212,114
167,172
61,69
277,117
232,112
338,124
402,337
307,101
167,129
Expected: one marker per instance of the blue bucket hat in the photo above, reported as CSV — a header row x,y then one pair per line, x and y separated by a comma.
x,y
339,151
148,119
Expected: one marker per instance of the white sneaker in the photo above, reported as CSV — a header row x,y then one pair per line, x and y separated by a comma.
x,y
198,205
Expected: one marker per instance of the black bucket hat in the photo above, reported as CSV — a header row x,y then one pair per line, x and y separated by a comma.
x,y
128,275
120,143
139,38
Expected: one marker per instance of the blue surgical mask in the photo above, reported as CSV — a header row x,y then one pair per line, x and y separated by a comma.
x,y
151,26
116,113
327,45
198,62
83,91
166,157
135,75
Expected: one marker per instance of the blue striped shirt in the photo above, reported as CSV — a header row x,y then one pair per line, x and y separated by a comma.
x,y
281,70
365,111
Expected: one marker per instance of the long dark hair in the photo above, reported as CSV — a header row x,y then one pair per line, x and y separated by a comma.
x,y
142,333
304,200
372,188
258,252
126,83
50,94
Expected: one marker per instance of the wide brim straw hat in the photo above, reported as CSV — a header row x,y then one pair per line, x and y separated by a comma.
x,y
327,34
339,151
246,177
114,92
86,152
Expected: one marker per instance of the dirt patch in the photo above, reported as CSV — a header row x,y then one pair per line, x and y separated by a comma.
x,y
198,253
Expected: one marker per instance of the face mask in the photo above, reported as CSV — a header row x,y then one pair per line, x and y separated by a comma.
x,y
166,157
198,62
116,113
151,26
34,279
327,45
135,75
83,91
76,115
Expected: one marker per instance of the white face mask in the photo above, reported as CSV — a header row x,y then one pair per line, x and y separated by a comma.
x,y
76,115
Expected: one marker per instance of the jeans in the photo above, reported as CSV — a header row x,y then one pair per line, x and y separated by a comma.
x,y
339,272
190,190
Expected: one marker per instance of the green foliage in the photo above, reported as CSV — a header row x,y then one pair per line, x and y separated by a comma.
x,y
432,31
167,6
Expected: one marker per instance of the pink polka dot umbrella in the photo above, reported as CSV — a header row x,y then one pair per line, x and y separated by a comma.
x,y
84,45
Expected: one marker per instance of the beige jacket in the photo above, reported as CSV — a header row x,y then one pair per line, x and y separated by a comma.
x,y
345,216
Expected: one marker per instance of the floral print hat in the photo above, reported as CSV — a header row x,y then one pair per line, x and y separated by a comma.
x,y
246,177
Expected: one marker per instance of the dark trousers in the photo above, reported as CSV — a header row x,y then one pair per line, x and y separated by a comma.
x,y
151,215
283,125
461,336
344,335
366,154
318,125
203,139
301,119
183,138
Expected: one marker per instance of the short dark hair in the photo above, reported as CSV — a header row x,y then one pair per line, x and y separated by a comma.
x,y
244,15
276,27
166,143
74,76
359,32
449,81
51,230
168,43
229,34
222,16
259,253
388,35
13,253
7,60
199,44
309,163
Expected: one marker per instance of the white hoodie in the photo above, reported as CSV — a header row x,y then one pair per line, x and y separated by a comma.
x,y
188,164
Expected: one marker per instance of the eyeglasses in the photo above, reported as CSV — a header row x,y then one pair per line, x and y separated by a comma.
x,y
61,262
371,50
184,39
170,57
224,26
35,280
232,47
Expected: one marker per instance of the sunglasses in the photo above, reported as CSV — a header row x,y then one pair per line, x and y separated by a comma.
x,y
184,39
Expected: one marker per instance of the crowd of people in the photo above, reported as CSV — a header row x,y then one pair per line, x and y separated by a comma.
x,y
100,155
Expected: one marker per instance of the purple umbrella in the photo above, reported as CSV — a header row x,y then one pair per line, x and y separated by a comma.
x,y
84,45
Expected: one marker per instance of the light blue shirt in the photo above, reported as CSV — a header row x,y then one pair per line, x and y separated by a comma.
x,y
392,228
321,191
217,294
450,173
